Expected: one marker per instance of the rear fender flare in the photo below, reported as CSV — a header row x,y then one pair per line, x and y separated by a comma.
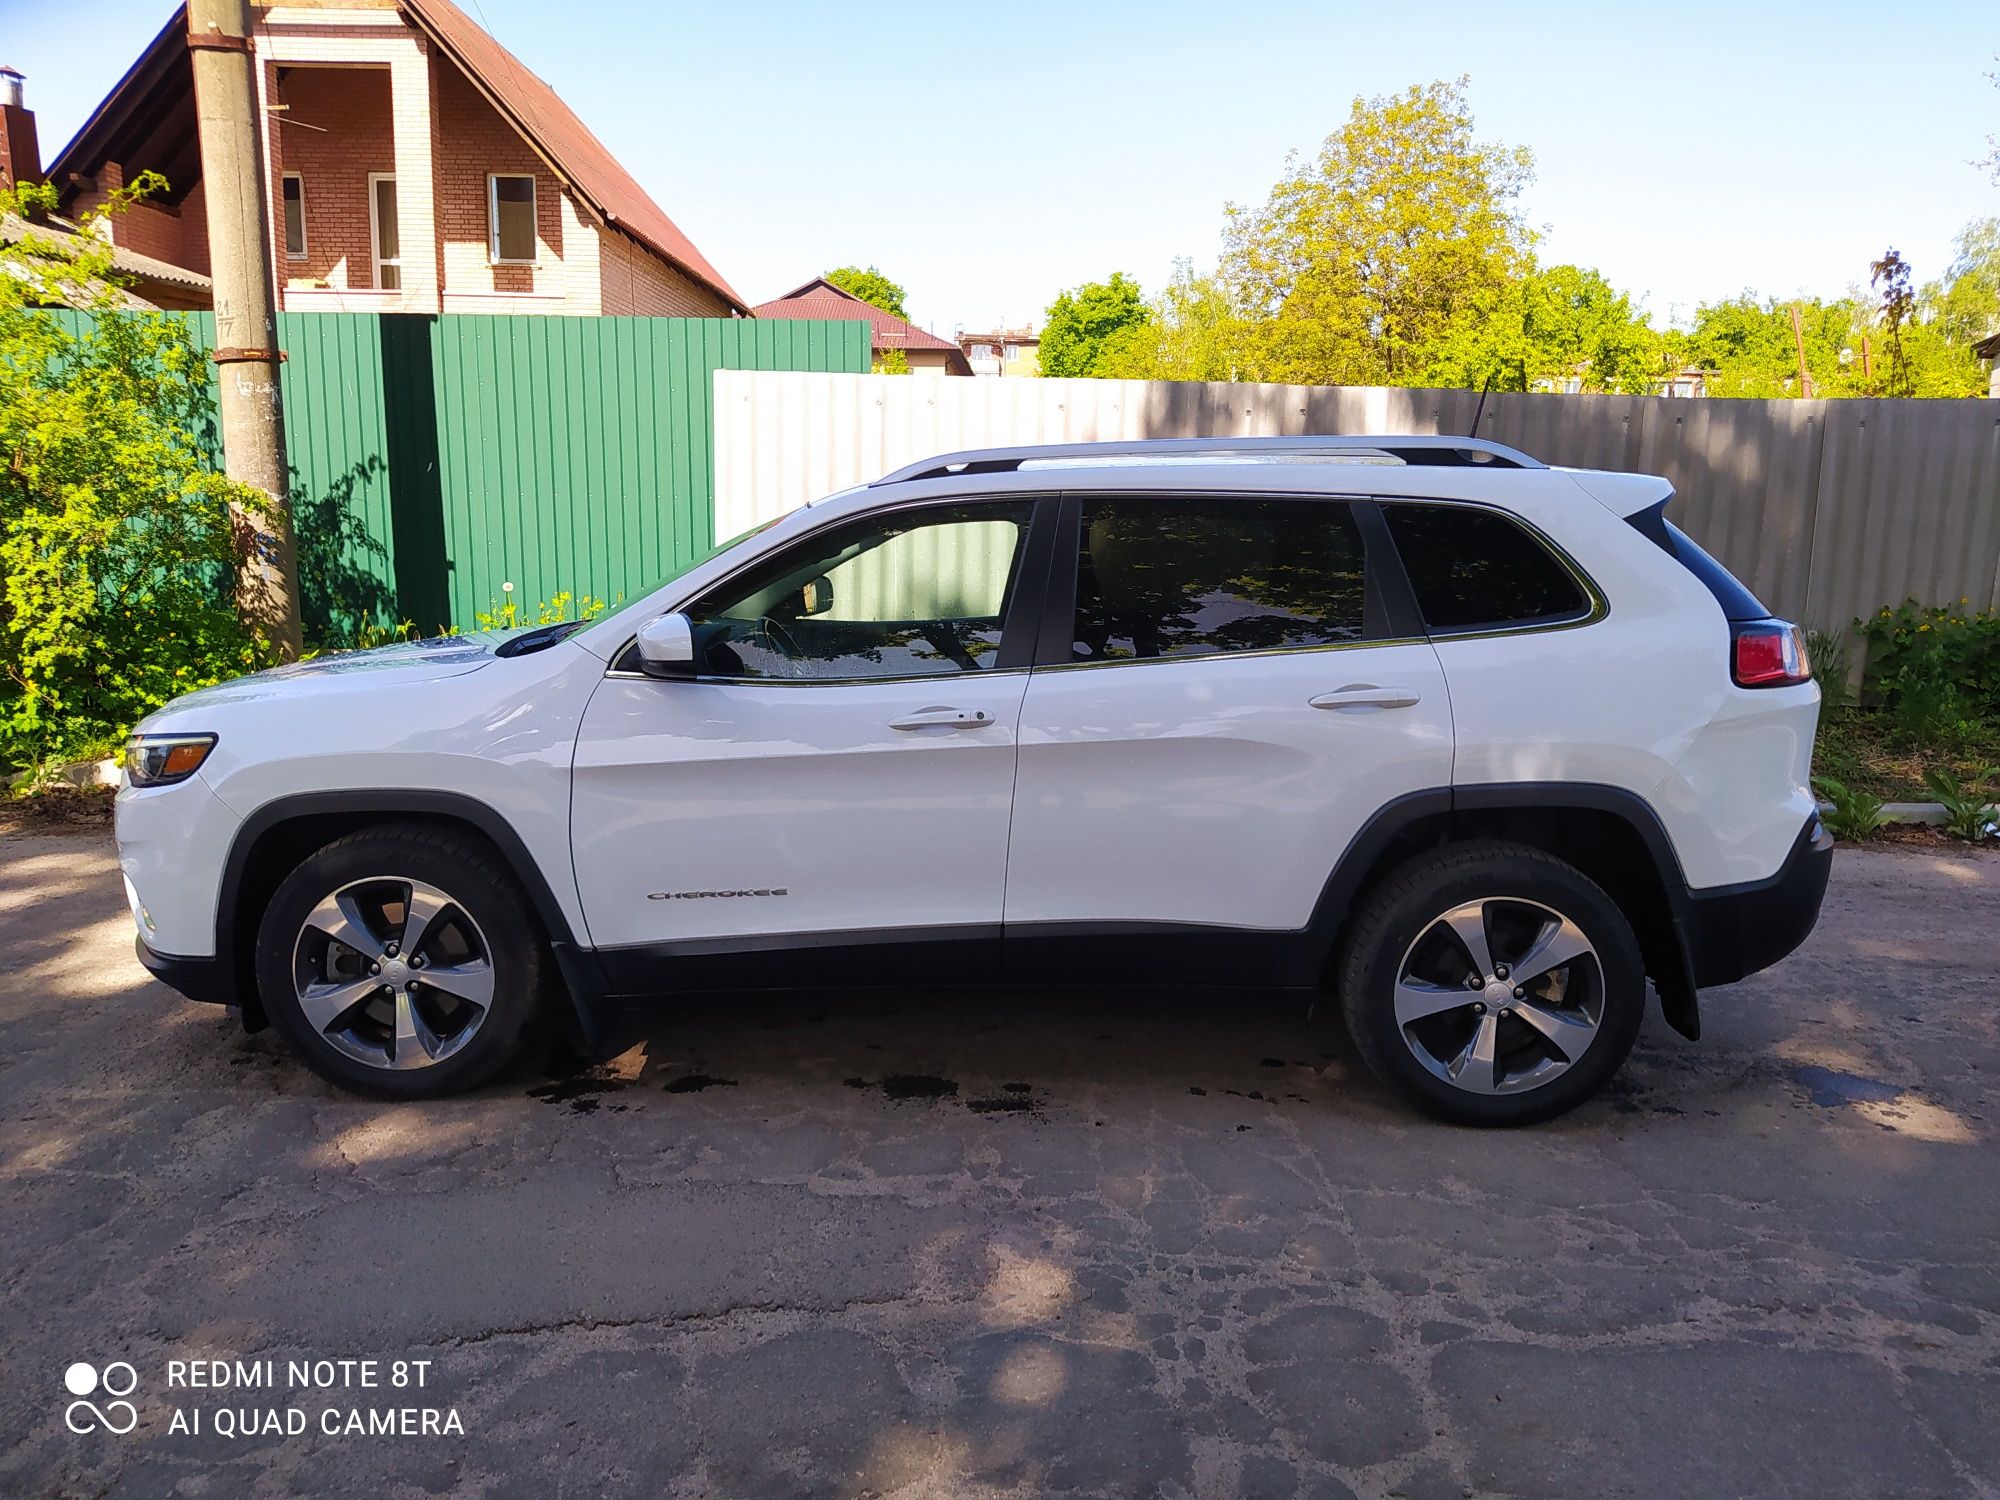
x,y
1428,818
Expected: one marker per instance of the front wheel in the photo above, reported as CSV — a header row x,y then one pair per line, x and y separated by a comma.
x,y
400,962
1492,984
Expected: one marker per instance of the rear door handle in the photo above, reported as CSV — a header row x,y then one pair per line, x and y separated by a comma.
x,y
944,718
1367,695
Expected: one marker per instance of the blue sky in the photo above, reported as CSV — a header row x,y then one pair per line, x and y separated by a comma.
x,y
988,155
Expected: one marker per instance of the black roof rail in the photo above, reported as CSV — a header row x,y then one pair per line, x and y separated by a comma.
x,y
1413,450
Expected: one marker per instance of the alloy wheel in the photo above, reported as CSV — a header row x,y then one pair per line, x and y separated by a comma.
x,y
1499,995
393,972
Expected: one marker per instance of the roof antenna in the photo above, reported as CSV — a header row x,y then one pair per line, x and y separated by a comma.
x,y
1480,410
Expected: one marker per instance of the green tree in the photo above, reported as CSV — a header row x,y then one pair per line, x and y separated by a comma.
x,y
1100,322
1557,328
1966,304
1898,306
1190,333
1937,367
116,552
1992,162
1362,257
872,287
1747,345
1198,330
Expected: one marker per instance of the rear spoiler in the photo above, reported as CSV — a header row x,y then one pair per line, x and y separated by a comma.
x,y
1623,495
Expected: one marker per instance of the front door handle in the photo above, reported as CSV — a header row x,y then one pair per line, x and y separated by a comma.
x,y
944,718
1367,695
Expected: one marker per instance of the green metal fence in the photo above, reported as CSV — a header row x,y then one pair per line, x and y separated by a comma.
x,y
436,459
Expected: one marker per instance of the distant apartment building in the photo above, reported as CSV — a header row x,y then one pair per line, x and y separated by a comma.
x,y
1011,351
414,165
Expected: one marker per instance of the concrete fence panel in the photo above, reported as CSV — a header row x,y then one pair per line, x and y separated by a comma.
x,y
1826,509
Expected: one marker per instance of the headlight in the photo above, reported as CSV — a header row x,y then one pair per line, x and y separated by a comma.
x,y
163,759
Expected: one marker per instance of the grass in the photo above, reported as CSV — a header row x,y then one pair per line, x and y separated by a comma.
x,y
1856,746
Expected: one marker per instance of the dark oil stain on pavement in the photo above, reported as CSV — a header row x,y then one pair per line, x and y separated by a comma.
x,y
582,1092
1003,1104
927,1088
694,1083
905,1086
1829,1087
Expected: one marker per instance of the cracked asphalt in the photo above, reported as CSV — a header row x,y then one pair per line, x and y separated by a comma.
x,y
1025,1245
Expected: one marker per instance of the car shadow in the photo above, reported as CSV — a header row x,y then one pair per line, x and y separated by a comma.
x,y
992,1051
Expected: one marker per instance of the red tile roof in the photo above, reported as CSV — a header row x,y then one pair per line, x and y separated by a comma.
x,y
820,298
577,156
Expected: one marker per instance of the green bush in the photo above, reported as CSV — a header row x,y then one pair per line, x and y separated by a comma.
x,y
116,544
1968,812
554,611
1828,652
1935,669
1850,814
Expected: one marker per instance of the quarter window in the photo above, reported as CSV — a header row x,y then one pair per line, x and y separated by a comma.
x,y
1196,576
1473,568
914,594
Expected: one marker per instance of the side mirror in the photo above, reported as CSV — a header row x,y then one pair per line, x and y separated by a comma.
x,y
666,647
816,598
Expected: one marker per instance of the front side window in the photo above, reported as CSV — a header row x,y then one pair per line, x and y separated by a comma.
x,y
1474,568
510,219
912,594
295,216
1163,576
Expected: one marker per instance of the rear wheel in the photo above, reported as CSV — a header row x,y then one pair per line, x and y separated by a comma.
x,y
1492,984
400,962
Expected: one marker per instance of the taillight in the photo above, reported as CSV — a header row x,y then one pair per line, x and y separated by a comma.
x,y
1769,653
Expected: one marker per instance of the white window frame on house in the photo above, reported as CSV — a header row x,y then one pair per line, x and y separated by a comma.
x,y
493,254
375,258
286,179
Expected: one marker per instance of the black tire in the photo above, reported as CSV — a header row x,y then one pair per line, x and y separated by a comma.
x,y
1411,903
501,922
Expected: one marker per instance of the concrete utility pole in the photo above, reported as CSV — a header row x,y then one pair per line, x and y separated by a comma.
x,y
246,317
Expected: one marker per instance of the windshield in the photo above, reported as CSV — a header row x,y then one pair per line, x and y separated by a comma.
x,y
713,552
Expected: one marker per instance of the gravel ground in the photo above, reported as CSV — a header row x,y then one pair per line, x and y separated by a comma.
x,y
1033,1245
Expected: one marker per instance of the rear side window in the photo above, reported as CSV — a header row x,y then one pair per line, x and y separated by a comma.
x,y
1196,576
1472,568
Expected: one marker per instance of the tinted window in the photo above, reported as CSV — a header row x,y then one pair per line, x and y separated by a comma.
x,y
912,594
1476,567
1192,577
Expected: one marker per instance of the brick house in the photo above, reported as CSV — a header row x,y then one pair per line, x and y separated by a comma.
x,y
1007,351
414,166
925,353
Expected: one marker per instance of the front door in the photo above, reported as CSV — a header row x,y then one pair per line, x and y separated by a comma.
x,y
838,774
1232,707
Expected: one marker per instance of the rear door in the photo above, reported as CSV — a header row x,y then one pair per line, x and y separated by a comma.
x,y
1225,694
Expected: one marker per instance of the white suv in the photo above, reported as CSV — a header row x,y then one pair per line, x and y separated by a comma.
x,y
1473,744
